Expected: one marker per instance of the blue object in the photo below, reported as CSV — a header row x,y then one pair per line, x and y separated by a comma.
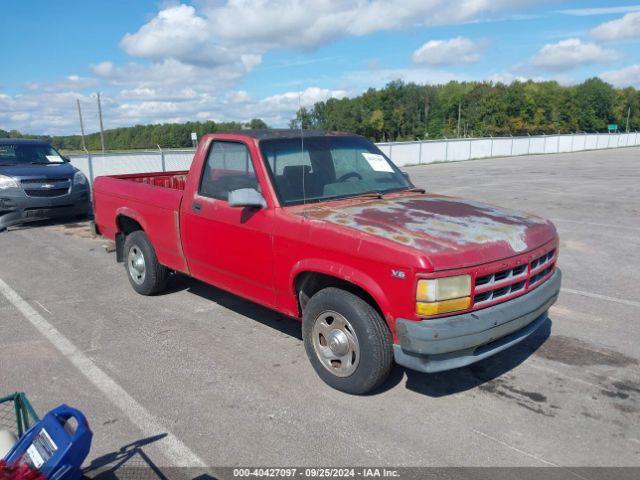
x,y
52,447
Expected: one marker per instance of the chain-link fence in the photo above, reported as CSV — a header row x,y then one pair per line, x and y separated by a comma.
x,y
402,153
16,414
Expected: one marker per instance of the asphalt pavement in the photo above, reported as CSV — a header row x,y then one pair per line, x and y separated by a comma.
x,y
199,375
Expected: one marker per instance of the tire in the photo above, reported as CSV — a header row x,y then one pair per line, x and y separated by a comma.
x,y
146,275
326,335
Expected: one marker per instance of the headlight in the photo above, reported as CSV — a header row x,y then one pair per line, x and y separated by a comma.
x,y
79,179
442,295
7,182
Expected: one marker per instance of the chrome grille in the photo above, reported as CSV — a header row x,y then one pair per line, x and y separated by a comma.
x,y
514,281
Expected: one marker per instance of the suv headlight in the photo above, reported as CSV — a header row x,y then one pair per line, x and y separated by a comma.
x,y
442,295
7,182
79,179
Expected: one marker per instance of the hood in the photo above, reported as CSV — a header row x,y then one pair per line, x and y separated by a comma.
x,y
40,171
451,232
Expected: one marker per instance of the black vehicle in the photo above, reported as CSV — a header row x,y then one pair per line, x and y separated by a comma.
x,y
37,182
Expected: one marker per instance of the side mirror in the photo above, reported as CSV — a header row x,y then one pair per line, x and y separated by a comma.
x,y
246,197
65,158
406,176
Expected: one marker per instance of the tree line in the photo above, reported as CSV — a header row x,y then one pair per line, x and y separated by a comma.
x,y
407,111
166,135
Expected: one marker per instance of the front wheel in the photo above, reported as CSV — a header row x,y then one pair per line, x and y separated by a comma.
x,y
146,275
347,341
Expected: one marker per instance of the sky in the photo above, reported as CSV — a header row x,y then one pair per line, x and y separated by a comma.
x,y
169,61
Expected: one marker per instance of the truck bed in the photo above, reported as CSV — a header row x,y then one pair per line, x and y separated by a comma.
x,y
175,180
151,199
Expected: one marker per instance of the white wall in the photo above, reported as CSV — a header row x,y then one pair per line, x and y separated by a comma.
x,y
402,153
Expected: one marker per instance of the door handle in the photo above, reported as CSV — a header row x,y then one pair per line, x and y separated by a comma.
x,y
196,207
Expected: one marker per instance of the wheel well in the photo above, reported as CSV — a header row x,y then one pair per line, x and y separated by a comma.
x,y
126,225
307,284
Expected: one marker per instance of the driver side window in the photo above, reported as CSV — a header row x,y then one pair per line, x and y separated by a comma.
x,y
228,167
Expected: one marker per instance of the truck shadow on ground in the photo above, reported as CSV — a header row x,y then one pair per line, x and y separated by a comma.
x,y
434,384
263,315
459,380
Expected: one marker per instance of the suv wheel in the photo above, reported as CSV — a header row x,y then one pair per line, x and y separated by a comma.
x,y
146,275
346,340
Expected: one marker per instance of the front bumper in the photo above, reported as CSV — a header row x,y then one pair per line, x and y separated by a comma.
x,y
456,341
16,207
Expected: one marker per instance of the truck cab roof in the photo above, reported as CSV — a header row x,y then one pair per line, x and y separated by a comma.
x,y
22,141
285,133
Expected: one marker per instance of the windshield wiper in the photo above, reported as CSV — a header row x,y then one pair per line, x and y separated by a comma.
x,y
416,190
40,163
370,194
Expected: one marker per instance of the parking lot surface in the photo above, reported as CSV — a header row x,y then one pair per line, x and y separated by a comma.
x,y
197,374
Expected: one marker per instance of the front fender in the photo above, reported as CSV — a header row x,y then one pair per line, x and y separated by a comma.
x,y
346,273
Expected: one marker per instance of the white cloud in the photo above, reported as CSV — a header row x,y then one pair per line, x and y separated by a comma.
x,y
588,12
239,96
298,24
378,77
175,32
289,101
625,77
571,53
221,30
192,57
72,82
103,69
54,113
41,111
447,52
625,27
510,77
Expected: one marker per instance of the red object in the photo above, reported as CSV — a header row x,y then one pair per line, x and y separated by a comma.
x,y
381,245
21,471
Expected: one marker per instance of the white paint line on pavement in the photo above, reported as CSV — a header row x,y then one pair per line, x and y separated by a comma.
x,y
597,296
515,449
530,455
43,307
172,448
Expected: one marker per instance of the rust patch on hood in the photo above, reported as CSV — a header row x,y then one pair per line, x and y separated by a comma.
x,y
434,223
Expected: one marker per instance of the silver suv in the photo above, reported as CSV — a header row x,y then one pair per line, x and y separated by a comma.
x,y
37,182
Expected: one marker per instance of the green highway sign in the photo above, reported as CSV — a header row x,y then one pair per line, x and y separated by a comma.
x,y
612,127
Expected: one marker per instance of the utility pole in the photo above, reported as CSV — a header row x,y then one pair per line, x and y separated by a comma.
x,y
628,115
101,126
459,108
84,147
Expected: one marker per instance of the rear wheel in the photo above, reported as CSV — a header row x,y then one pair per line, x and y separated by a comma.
x,y
347,341
146,275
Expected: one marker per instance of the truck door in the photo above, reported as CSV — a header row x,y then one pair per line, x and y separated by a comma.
x,y
230,247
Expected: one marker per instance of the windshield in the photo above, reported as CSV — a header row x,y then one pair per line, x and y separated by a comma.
x,y
26,154
329,167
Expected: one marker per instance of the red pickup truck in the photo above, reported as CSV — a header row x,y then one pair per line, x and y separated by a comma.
x,y
323,227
